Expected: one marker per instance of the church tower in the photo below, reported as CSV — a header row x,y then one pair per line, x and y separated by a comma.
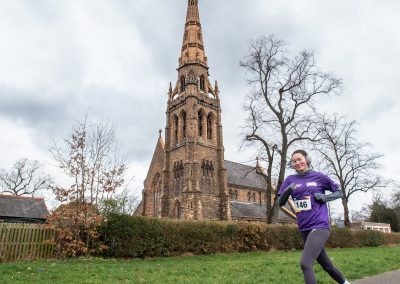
x,y
194,176
188,177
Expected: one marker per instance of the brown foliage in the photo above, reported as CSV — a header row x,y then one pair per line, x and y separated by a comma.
x,y
76,229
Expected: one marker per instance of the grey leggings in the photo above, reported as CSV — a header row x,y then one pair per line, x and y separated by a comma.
x,y
314,242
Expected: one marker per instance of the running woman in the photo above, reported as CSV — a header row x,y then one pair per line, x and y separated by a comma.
x,y
307,188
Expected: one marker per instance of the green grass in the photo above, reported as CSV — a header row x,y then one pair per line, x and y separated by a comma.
x,y
257,267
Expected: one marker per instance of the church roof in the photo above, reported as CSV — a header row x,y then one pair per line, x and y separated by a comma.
x,y
252,211
244,176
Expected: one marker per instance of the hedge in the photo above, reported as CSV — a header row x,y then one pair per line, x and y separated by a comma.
x,y
139,237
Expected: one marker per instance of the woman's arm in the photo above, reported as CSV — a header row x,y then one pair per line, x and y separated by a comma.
x,y
328,197
286,193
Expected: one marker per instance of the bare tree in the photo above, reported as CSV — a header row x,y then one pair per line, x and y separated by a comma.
x,y
361,215
90,157
24,178
280,106
349,161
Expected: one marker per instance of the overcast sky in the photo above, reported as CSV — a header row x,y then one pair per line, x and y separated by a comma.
x,y
114,60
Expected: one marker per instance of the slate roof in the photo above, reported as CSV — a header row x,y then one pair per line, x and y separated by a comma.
x,y
252,211
18,207
244,176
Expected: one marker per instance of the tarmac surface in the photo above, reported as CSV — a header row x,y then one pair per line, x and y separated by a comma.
x,y
391,277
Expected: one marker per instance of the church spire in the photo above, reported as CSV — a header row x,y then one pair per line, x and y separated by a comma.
x,y
192,47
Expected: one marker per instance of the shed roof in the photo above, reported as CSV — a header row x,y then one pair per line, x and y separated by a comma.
x,y
22,207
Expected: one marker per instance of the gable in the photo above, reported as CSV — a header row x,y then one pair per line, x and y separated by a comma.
x,y
157,161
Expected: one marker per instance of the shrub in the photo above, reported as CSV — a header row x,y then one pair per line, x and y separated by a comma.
x,y
340,238
128,236
76,229
392,239
368,238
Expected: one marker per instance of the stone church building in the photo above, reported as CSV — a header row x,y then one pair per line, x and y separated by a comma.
x,y
188,177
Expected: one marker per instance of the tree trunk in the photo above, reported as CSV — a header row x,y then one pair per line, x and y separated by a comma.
x,y
346,212
269,204
275,211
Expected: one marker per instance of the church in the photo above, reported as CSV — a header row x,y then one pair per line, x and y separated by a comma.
x,y
188,177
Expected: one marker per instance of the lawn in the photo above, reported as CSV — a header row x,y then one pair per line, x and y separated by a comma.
x,y
257,267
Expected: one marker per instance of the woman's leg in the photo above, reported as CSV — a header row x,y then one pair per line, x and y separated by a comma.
x,y
313,246
327,265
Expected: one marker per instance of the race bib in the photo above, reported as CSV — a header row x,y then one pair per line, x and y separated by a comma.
x,y
303,204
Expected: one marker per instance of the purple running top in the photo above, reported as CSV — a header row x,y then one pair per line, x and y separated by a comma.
x,y
311,214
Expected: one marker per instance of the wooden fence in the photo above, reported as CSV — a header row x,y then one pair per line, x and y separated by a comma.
x,y
25,241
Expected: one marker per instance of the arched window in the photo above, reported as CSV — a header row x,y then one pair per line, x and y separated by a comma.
x,y
175,128
183,124
254,197
200,123
156,186
177,210
248,196
209,126
202,83
182,84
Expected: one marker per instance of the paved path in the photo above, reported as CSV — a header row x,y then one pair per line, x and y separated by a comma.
x,y
391,277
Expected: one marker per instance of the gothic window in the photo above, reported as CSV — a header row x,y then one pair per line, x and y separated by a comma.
x,y
156,187
254,197
175,128
185,36
177,210
181,169
199,35
236,194
175,171
202,83
231,193
183,124
178,167
209,126
248,196
200,123
207,169
182,84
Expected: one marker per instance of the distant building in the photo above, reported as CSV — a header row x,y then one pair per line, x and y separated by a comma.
x,y
20,209
188,177
383,227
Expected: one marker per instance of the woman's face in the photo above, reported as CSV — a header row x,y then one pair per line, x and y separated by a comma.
x,y
299,163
